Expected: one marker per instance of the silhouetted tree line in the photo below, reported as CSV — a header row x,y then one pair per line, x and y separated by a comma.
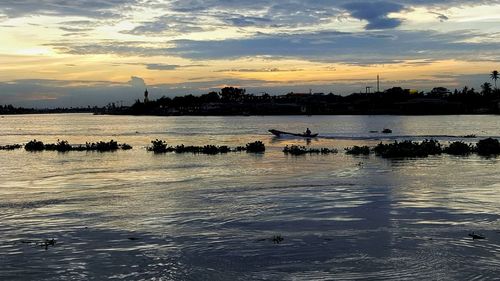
x,y
10,109
235,101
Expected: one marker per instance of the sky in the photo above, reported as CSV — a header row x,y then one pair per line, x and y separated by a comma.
x,y
90,52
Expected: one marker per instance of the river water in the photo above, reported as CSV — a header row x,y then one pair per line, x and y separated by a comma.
x,y
134,215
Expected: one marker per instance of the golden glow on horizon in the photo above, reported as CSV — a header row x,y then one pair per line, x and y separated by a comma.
x,y
287,72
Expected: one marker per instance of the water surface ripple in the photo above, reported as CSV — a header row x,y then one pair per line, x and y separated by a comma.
x,y
134,215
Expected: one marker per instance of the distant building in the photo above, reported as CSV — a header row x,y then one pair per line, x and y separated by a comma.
x,y
146,98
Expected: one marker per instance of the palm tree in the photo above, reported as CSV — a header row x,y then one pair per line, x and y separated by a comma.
x,y
494,76
486,88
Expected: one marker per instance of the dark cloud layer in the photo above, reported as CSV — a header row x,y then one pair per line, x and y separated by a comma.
x,y
186,13
376,13
84,8
328,46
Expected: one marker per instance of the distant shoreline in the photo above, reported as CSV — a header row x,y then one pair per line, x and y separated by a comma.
x,y
394,101
235,102
255,115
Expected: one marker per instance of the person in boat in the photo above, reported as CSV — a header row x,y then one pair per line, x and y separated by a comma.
x,y
307,132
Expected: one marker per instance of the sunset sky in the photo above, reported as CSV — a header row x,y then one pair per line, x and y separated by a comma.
x,y
91,52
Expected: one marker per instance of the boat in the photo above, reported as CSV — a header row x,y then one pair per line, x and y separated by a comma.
x,y
387,131
279,133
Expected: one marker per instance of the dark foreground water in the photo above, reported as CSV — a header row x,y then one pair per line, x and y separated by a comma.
x,y
134,215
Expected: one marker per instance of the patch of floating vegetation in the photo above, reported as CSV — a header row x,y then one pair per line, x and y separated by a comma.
x,y
10,147
488,147
408,149
64,146
207,149
471,136
255,147
459,148
161,146
357,150
34,145
397,149
301,150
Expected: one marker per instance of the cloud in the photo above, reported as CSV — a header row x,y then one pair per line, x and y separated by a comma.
x,y
244,21
251,70
137,82
161,66
369,47
441,17
74,29
341,47
376,13
292,13
111,47
82,8
168,24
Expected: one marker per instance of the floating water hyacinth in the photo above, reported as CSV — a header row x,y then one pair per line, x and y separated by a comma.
x,y
64,146
161,146
301,150
358,150
10,147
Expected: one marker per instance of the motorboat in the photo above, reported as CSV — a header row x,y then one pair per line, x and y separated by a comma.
x,y
279,133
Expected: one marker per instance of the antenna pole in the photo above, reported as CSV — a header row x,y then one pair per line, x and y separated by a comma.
x,y
378,83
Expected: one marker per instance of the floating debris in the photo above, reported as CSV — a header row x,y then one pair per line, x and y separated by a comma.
x,y
476,236
10,147
125,146
277,239
45,243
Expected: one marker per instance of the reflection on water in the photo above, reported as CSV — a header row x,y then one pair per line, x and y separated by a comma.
x,y
136,215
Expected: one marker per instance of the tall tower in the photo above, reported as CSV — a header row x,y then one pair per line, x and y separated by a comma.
x,y
378,83
146,94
